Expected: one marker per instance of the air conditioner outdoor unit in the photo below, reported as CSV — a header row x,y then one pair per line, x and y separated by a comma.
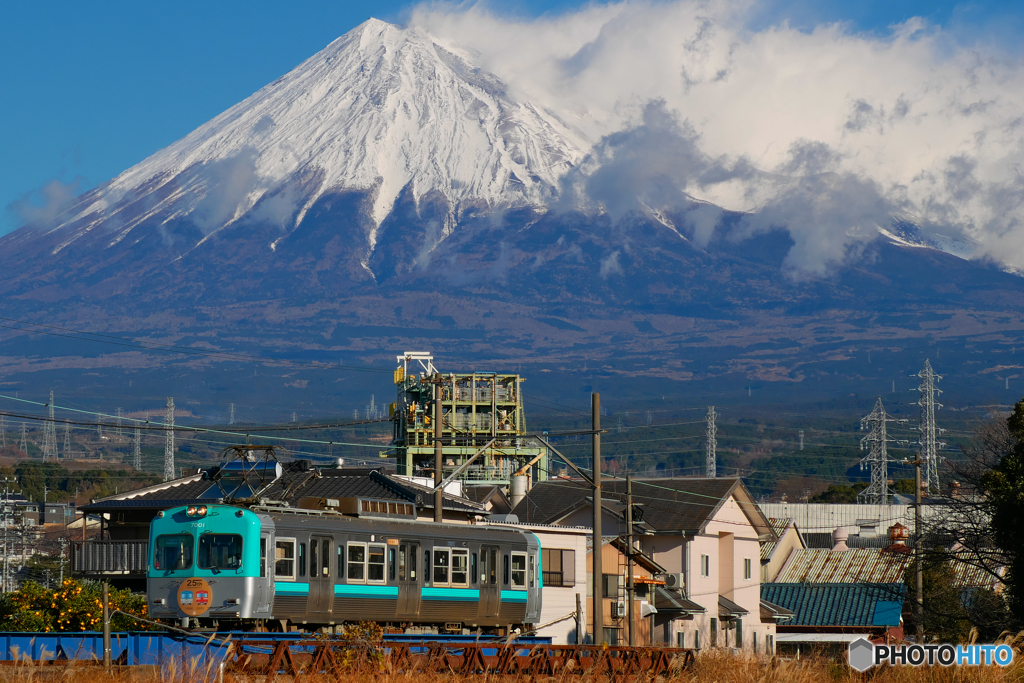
x,y
673,580
618,609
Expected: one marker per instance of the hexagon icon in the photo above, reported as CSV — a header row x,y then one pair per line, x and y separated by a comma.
x,y
861,654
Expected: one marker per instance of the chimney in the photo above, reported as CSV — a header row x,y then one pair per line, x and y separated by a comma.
x,y
839,537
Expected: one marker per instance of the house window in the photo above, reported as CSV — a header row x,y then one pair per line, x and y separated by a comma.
x,y
610,586
713,637
746,568
611,636
769,644
739,633
753,641
284,559
705,565
559,567
519,570
696,640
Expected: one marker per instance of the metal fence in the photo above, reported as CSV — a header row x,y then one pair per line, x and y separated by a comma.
x,y
110,557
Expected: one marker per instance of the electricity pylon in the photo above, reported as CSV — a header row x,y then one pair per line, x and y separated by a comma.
x,y
929,446
877,440
710,431
169,441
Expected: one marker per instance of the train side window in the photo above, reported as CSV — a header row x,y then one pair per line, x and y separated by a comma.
x,y
263,557
325,558
519,570
491,570
412,563
302,559
284,559
391,564
403,557
313,545
460,567
356,562
442,560
375,565
505,573
341,560
472,568
533,570
426,566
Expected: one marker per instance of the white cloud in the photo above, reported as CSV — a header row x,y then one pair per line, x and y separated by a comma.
x,y
909,122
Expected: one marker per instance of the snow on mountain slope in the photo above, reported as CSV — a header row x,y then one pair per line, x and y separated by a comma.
x,y
377,109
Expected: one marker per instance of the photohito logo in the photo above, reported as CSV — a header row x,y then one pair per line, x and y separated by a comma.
x,y
863,655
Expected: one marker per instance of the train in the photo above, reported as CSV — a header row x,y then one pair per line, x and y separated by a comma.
x,y
277,568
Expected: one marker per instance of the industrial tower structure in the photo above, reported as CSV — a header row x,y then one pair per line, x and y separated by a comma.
x,y
137,450
877,440
49,433
169,441
929,446
710,432
480,411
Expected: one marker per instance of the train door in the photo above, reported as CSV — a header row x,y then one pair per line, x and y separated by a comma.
x,y
265,590
490,589
321,578
408,579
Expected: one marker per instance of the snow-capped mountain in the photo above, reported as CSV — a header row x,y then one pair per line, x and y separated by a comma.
x,y
384,110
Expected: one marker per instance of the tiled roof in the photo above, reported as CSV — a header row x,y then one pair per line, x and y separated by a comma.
x,y
838,604
293,485
857,565
728,608
670,602
779,526
669,505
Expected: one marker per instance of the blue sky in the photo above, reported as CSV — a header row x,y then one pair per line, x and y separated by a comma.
x,y
89,89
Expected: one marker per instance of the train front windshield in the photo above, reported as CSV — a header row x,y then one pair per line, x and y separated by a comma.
x,y
173,552
220,551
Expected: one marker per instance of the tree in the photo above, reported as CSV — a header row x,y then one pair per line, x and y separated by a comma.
x,y
946,617
73,606
1004,489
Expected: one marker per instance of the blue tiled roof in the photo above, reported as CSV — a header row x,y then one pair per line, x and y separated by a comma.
x,y
838,604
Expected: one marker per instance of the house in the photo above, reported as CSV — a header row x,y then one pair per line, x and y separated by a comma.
x,y
563,579
614,597
704,533
835,614
774,553
121,551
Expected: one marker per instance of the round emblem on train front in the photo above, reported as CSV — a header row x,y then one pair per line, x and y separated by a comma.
x,y
195,597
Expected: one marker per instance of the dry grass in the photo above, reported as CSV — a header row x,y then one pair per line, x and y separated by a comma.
x,y
711,667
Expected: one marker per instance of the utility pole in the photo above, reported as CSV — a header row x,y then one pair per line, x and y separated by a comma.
x,y
630,588
710,431
67,439
438,456
918,571
169,441
877,439
929,446
598,569
63,550
24,437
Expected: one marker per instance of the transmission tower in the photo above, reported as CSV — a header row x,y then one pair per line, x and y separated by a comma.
x,y
49,433
24,437
294,417
169,441
710,431
876,441
231,413
120,432
801,439
137,450
929,446
3,431
67,439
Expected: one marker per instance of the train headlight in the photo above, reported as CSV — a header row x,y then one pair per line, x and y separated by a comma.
x,y
196,510
190,511
201,511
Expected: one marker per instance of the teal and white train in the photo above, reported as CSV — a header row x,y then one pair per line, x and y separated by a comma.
x,y
231,567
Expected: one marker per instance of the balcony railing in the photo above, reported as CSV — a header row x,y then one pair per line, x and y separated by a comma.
x,y
110,557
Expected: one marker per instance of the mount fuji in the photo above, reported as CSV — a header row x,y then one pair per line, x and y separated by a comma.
x,y
389,193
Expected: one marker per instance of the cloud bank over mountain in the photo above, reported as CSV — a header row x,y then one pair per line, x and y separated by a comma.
x,y
827,131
